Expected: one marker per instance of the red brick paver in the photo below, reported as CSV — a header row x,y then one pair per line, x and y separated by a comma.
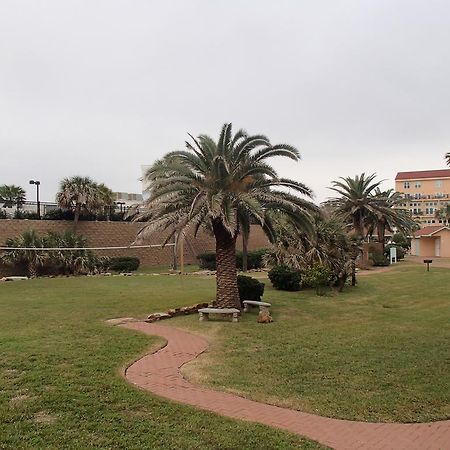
x,y
159,373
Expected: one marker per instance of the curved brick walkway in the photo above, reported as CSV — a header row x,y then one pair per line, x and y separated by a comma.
x,y
159,373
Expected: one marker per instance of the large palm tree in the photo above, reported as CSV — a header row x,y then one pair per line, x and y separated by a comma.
x,y
212,184
82,195
11,195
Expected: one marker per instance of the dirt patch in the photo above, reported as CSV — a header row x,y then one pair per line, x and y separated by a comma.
x,y
44,418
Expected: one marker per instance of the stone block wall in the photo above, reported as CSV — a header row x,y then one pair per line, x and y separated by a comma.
x,y
116,234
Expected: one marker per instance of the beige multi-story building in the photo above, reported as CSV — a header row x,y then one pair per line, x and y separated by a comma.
x,y
425,192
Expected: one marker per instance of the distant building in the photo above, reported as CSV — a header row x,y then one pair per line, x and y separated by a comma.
x,y
425,192
125,200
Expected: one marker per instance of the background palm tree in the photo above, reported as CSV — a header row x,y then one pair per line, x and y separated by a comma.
x,y
447,157
356,201
83,195
106,199
11,195
213,184
443,214
386,215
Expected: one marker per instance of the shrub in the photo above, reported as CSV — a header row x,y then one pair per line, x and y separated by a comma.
x,y
400,251
250,288
254,259
379,259
3,214
18,214
58,214
318,277
124,263
284,278
207,261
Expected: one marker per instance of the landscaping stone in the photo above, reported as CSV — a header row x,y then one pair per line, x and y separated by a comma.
x,y
264,316
158,316
14,278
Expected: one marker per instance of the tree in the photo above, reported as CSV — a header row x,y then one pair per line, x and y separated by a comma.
x,y
447,157
355,202
443,214
19,254
329,246
386,214
83,195
11,195
212,184
106,199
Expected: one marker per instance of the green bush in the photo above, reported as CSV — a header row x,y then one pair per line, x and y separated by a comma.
x,y
3,214
207,260
19,214
400,251
124,263
318,277
254,259
379,259
284,278
250,288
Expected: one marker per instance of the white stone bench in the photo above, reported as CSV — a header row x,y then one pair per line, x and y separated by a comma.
x,y
262,305
205,312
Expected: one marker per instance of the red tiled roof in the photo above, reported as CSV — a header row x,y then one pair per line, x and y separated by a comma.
x,y
443,173
426,231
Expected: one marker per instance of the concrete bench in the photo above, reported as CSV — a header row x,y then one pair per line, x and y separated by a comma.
x,y
205,312
262,305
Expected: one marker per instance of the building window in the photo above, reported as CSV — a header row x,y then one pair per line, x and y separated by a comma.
x,y
418,184
406,184
438,183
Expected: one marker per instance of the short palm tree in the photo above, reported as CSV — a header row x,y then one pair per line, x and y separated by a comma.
x,y
82,195
212,184
21,253
386,214
11,195
443,214
106,199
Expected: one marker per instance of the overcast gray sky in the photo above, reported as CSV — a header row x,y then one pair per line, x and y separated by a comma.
x,y
99,87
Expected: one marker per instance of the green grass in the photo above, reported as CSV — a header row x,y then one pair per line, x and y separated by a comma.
x,y
188,268
60,382
378,352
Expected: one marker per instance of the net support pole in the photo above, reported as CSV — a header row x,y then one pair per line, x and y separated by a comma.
x,y
181,243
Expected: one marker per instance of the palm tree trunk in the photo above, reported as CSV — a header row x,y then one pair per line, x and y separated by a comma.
x,y
76,217
32,269
381,231
227,294
244,252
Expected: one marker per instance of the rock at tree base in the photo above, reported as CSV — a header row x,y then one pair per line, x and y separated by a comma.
x,y
264,316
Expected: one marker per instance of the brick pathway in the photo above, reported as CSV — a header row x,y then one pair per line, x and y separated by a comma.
x,y
159,373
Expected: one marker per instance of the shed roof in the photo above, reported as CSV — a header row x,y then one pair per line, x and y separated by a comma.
x,y
430,231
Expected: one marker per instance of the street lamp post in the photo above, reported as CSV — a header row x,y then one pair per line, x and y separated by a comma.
x,y
37,184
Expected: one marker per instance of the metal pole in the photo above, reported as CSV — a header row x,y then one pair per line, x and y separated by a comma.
x,y
37,198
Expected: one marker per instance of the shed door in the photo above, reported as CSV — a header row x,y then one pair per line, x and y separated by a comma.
x,y
417,242
437,247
